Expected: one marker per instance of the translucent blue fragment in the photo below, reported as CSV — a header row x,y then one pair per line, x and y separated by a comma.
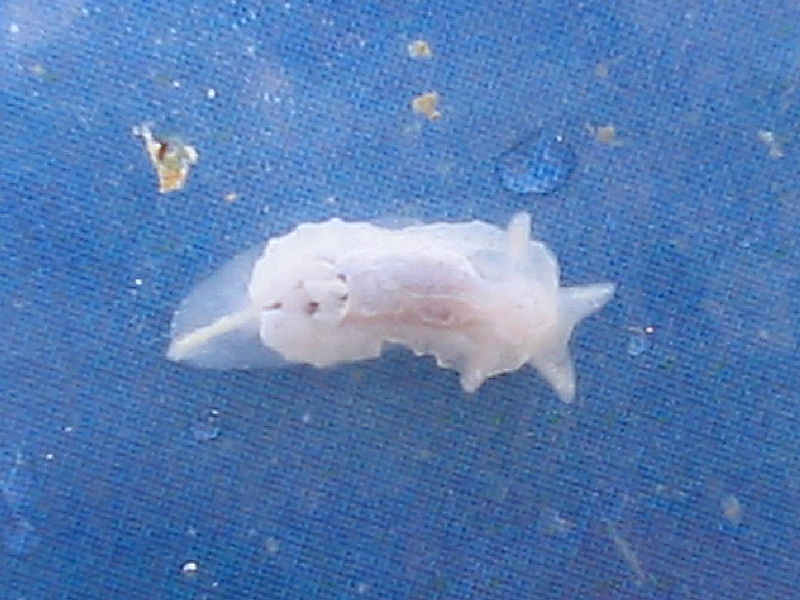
x,y
539,164
17,483
19,536
205,432
638,344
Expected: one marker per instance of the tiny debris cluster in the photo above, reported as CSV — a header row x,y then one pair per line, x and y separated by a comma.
x,y
171,158
426,103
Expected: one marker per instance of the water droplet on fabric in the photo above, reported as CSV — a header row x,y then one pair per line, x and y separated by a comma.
x,y
637,345
539,164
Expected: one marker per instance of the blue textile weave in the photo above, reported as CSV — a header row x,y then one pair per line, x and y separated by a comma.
x,y
674,476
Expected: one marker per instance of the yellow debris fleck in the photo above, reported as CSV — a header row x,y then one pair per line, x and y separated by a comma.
x,y
605,134
426,104
420,49
171,158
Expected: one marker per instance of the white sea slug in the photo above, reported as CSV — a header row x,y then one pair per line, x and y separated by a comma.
x,y
480,299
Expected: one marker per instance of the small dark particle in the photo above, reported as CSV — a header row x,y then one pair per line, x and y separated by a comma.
x,y
172,159
540,164
162,150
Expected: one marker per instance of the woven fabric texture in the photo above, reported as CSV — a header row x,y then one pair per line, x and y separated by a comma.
x,y
675,474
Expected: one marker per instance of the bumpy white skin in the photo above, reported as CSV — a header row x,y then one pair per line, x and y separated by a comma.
x,y
483,301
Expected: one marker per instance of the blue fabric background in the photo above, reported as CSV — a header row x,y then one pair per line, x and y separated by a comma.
x,y
382,479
